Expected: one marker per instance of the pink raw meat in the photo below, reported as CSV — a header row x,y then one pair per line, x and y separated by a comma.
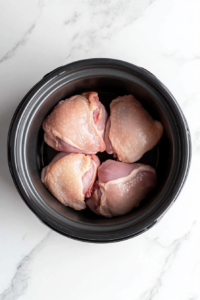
x,y
130,130
70,178
120,187
77,125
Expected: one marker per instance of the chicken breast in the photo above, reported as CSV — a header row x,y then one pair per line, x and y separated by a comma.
x,y
77,125
70,178
130,130
120,187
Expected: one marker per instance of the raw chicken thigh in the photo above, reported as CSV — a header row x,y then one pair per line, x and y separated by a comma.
x,y
77,125
130,130
120,187
70,178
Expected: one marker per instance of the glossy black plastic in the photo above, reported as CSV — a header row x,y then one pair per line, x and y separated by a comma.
x,y
27,153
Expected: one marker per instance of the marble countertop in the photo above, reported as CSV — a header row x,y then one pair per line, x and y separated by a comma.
x,y
159,35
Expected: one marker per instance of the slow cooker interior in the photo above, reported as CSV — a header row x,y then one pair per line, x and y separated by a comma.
x,y
39,154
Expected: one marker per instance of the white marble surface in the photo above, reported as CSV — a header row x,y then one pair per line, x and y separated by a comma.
x,y
162,36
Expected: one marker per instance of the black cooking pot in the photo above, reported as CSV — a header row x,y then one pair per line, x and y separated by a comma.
x,y
28,154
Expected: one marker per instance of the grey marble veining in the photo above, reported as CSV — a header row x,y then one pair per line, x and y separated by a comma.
x,y
20,43
24,39
172,253
19,282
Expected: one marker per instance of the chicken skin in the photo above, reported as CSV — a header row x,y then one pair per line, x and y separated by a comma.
x,y
70,178
120,187
77,125
130,130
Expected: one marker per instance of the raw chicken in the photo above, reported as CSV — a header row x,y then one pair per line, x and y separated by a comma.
x,y
77,125
120,187
70,178
130,130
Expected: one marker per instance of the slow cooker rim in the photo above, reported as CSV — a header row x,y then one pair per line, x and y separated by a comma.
x,y
71,66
